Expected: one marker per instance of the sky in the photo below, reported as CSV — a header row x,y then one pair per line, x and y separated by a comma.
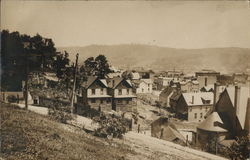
x,y
181,24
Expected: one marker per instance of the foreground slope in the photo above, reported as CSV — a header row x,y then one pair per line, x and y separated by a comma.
x,y
28,135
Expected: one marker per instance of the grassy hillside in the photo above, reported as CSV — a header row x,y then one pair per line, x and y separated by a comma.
x,y
163,58
27,135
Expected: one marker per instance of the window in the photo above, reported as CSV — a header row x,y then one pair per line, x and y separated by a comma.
x,y
148,85
92,100
93,91
201,115
195,116
102,91
200,107
101,101
108,100
119,101
119,92
205,81
190,110
127,91
206,109
127,101
142,90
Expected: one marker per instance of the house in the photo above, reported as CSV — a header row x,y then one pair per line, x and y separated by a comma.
x,y
233,108
194,106
162,82
163,129
143,86
123,98
164,97
189,86
174,99
94,93
210,128
206,77
146,74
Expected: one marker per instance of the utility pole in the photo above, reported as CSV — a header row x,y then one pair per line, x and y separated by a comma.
x,y
26,75
74,85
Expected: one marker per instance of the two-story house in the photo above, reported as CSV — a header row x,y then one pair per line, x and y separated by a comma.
x,y
143,86
194,106
206,77
121,91
94,93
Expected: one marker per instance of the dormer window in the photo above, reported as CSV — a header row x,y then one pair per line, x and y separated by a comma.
x,y
101,91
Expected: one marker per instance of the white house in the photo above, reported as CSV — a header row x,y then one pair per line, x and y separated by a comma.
x,y
144,86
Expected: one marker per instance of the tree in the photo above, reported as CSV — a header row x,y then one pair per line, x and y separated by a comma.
x,y
60,64
90,66
102,66
19,51
97,66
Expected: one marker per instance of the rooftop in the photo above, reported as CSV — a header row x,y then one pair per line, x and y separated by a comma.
x,y
210,124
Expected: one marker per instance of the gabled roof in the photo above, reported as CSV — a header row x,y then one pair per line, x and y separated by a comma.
x,y
209,124
172,134
92,79
198,98
114,82
176,95
244,95
167,91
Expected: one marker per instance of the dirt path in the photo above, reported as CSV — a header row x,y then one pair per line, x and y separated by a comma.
x,y
153,148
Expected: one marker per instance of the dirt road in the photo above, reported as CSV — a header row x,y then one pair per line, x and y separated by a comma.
x,y
153,148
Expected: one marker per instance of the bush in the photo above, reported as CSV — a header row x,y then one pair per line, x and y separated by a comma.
x,y
239,150
60,113
111,125
60,116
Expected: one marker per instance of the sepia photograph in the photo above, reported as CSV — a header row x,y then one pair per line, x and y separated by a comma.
x,y
125,80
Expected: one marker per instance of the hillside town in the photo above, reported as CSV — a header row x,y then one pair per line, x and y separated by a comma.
x,y
204,110
126,80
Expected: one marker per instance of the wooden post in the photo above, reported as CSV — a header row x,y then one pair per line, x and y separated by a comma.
x,y
74,85
26,80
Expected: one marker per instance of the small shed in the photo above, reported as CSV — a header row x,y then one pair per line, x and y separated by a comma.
x,y
163,129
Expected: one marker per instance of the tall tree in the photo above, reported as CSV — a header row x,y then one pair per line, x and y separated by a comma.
x,y
19,51
102,66
98,66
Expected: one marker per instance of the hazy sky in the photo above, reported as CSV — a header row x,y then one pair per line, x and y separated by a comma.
x,y
182,24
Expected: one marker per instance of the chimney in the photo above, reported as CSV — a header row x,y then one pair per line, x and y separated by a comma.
x,y
236,99
192,100
216,93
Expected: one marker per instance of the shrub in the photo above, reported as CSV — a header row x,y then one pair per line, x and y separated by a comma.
x,y
239,150
111,125
60,113
60,116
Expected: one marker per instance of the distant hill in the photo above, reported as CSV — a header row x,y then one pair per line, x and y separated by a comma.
x,y
225,60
